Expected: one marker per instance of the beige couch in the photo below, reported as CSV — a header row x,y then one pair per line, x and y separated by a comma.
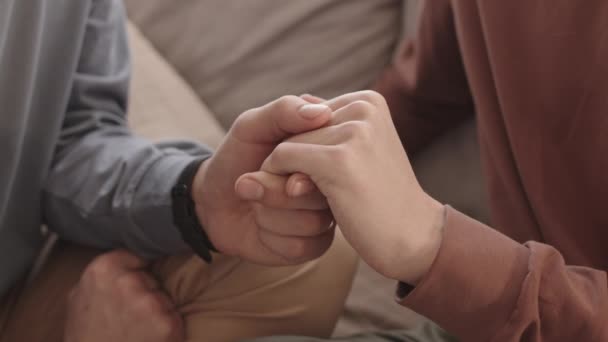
x,y
198,64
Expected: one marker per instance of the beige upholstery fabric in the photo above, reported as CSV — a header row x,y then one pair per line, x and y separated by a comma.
x,y
241,54
162,105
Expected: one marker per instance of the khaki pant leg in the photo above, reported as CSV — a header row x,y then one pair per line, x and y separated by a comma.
x,y
225,301
233,300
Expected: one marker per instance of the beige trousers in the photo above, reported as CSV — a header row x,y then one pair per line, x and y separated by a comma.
x,y
228,300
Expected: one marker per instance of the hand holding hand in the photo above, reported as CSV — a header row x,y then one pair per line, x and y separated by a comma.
x,y
264,224
359,164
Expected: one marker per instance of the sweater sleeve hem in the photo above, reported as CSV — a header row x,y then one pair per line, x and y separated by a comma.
x,y
473,285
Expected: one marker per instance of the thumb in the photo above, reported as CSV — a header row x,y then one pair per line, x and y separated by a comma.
x,y
279,120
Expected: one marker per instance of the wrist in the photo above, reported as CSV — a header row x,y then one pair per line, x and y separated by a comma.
x,y
423,244
197,193
185,213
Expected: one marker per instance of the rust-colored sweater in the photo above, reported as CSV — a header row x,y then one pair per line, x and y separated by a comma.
x,y
535,73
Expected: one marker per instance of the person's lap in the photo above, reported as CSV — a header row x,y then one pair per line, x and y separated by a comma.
x,y
230,300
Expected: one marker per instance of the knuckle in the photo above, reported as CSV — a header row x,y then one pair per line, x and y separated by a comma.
x,y
129,282
101,267
243,117
279,153
286,103
241,122
359,130
150,304
363,109
372,96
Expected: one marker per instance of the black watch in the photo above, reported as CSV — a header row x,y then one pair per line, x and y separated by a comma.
x,y
184,213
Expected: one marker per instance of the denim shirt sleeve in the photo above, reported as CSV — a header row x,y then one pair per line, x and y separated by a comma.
x,y
108,188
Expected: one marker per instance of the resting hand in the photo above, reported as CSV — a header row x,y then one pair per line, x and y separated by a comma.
x,y
117,300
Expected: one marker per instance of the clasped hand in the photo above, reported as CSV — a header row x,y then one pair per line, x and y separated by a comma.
x,y
303,162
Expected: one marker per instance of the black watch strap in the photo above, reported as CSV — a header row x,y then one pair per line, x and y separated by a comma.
x,y
184,213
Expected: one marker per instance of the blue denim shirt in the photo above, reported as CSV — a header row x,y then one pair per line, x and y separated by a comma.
x,y
67,157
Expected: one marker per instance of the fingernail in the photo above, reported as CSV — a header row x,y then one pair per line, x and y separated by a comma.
x,y
301,188
312,111
250,190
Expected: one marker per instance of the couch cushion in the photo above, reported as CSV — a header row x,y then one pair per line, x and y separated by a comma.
x,y
162,105
241,54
